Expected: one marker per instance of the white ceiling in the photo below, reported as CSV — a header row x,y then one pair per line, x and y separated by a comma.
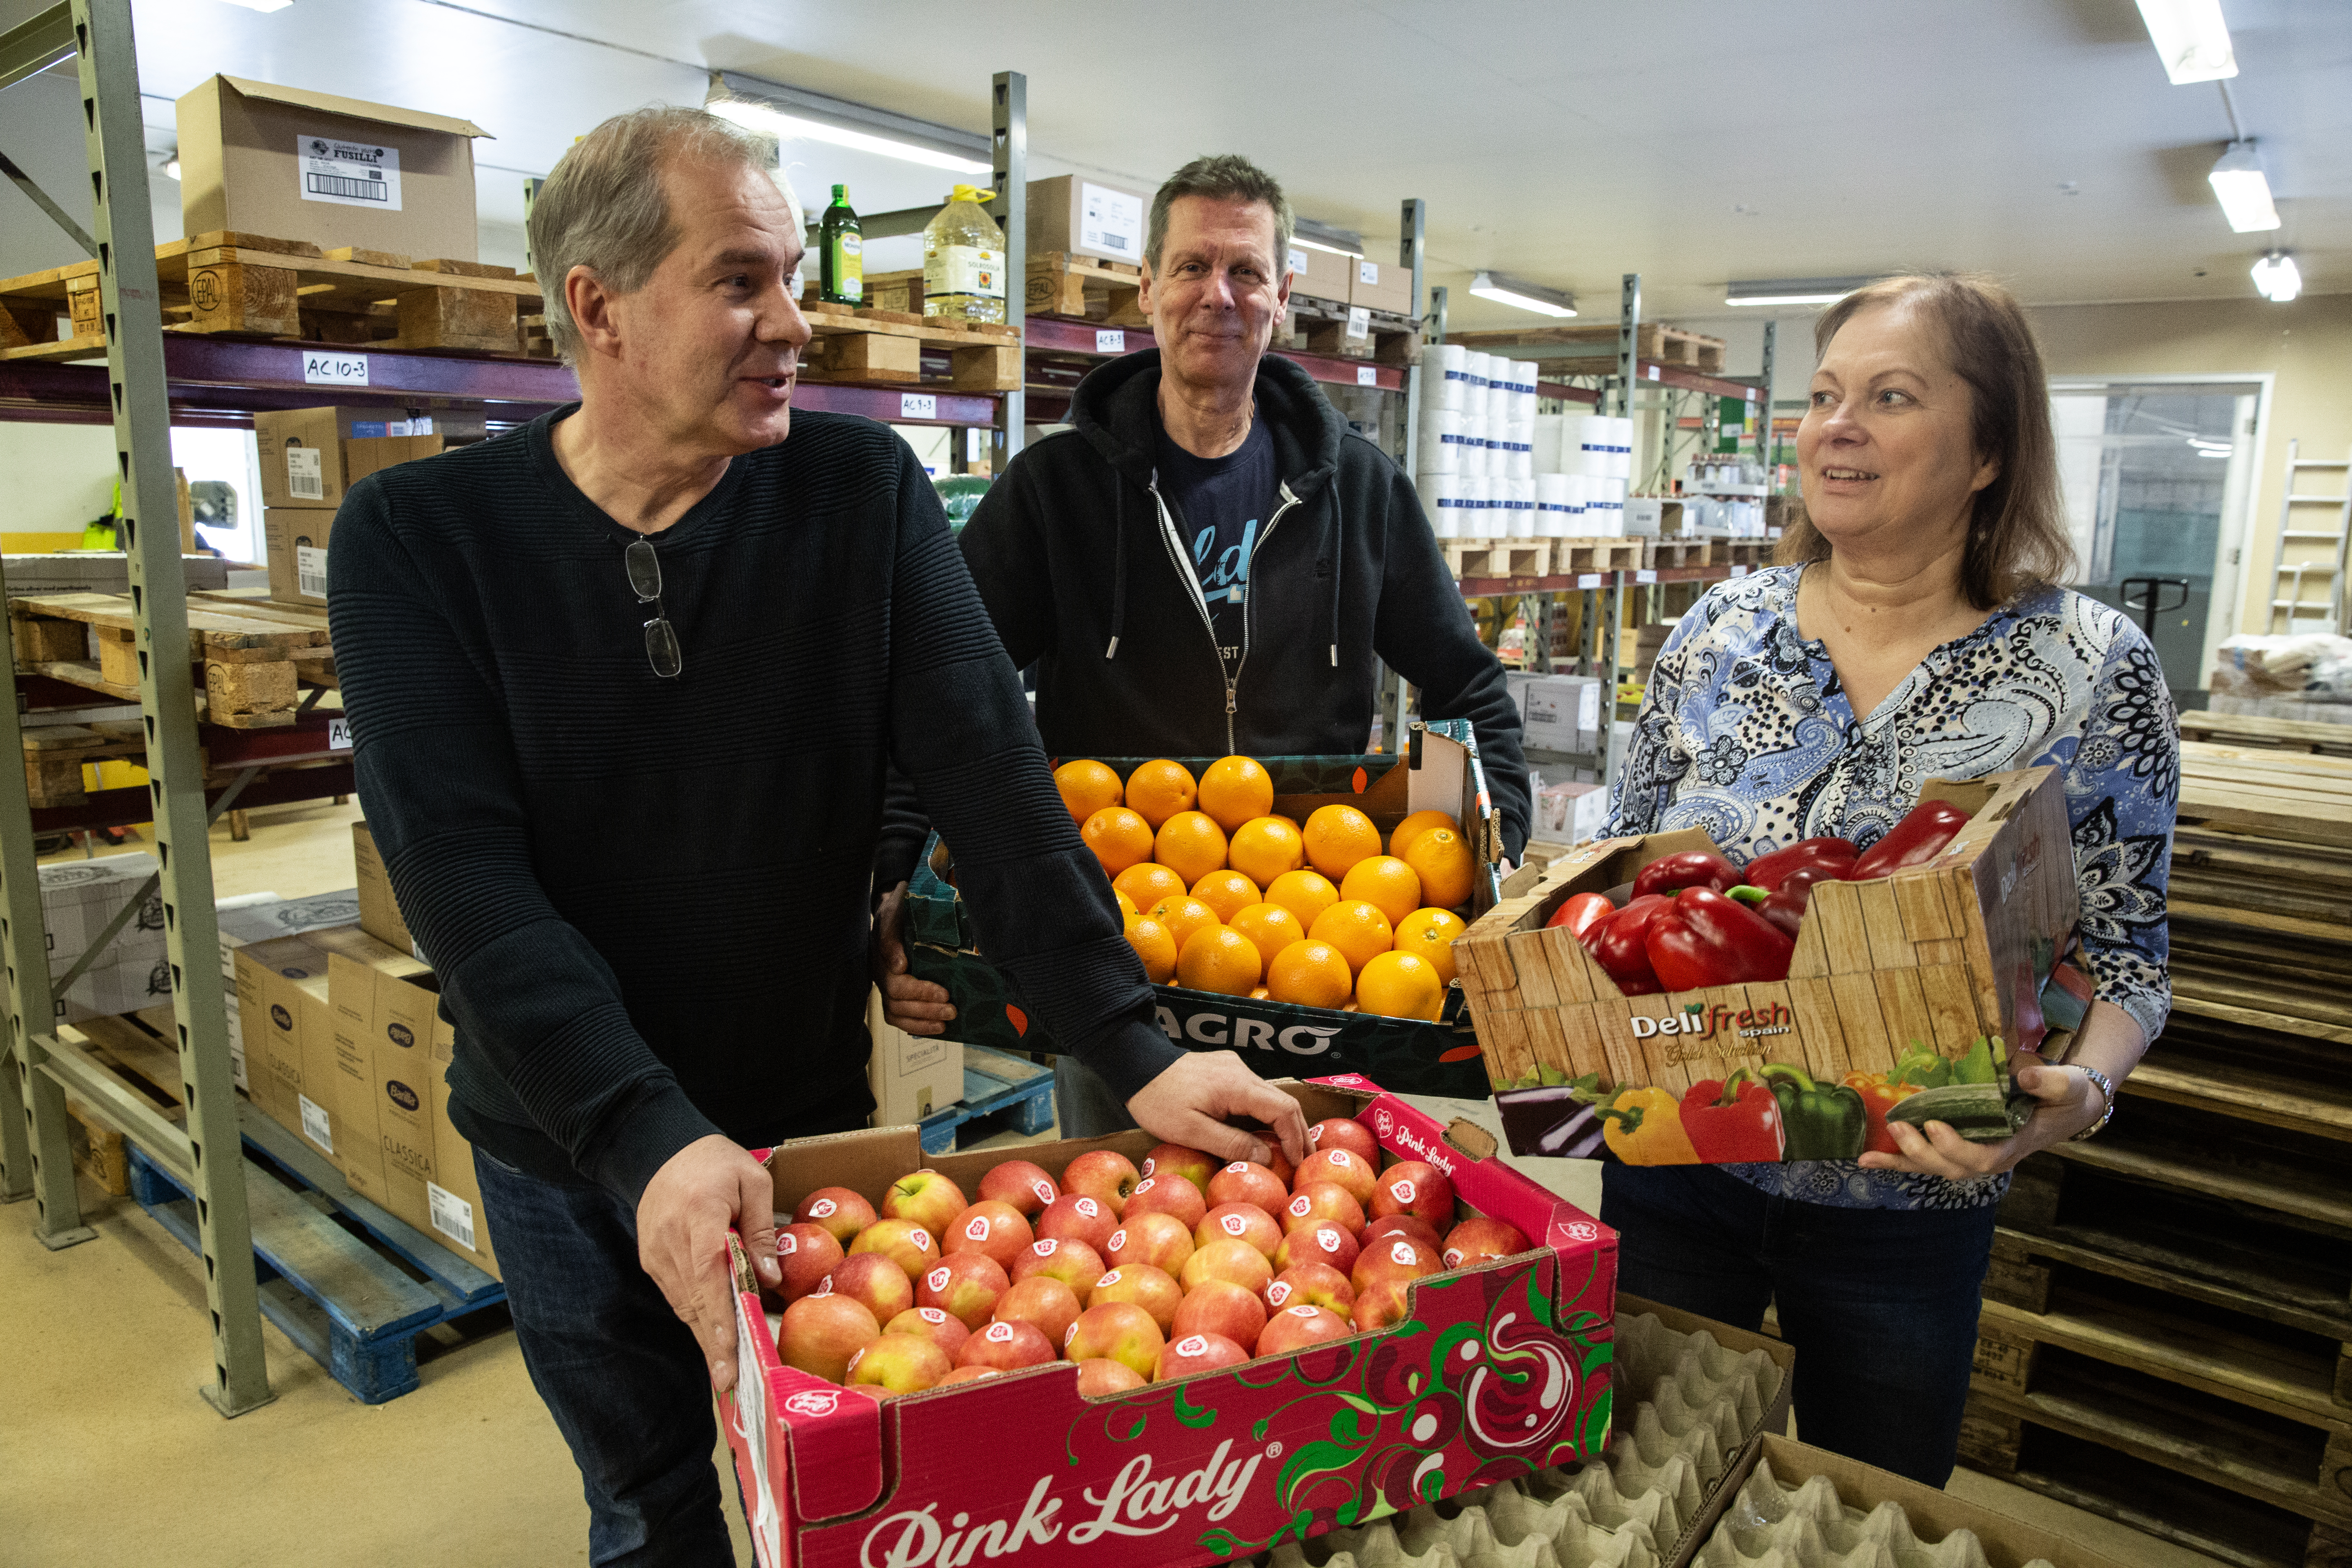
x,y
1692,140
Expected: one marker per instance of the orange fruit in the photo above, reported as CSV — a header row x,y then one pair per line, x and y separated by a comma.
x,y
1270,927
1311,974
1160,790
1225,892
1183,915
1191,845
1086,787
1441,858
1304,893
1413,827
1265,848
1118,837
1431,934
1337,837
1360,931
1385,881
1400,985
1236,789
1126,905
1219,959
1147,882
1155,947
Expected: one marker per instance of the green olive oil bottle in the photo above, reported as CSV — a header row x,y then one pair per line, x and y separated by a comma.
x,y
842,246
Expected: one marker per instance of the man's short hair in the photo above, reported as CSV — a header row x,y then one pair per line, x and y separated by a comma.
x,y
1224,178
605,206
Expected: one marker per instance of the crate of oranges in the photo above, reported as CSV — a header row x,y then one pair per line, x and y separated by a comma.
x,y
1285,907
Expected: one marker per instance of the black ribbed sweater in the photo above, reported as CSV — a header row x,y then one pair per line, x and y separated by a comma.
x,y
646,899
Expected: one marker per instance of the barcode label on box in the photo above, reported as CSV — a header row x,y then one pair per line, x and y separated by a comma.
x,y
310,570
339,734
348,173
306,477
1368,272
918,405
1297,259
453,1216
1367,376
1109,221
322,367
1359,320
315,1125
1113,342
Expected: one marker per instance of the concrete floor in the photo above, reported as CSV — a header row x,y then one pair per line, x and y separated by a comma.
x,y
104,1355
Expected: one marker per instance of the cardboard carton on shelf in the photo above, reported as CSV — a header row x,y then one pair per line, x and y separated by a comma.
x,y
453,1199
1381,284
1321,275
1500,1370
378,911
297,540
353,977
1079,216
79,897
911,1075
310,456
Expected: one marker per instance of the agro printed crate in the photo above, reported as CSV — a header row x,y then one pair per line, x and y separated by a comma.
x,y
1941,956
1441,771
1493,1373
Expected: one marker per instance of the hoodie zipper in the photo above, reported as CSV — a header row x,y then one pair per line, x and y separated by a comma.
x,y
1249,601
1175,544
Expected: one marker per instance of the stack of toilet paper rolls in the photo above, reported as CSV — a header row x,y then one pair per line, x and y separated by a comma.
x,y
1475,454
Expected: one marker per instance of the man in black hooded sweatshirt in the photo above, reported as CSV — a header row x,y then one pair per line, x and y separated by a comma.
x,y
1209,560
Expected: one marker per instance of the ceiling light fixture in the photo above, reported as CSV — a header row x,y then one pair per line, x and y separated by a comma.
x,y
1533,297
2243,189
788,113
1791,291
1316,236
171,165
262,5
2190,38
2277,277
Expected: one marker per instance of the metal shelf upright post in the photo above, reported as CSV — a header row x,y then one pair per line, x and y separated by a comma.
x,y
1008,151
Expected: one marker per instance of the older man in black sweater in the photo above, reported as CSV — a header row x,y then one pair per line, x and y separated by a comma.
x,y
624,685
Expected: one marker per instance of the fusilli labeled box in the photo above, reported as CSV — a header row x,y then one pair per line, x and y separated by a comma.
x,y
1922,983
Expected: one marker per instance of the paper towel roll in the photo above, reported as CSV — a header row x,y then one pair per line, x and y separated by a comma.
x,y
1440,502
1605,509
1446,373
1518,447
1552,505
1547,443
1518,498
1477,496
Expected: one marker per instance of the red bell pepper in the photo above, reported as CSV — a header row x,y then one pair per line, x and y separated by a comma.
x,y
1768,871
1686,868
1705,938
1733,1120
1579,912
1918,838
1616,944
1785,905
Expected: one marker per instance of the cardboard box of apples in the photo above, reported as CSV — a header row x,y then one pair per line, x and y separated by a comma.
x,y
1120,1348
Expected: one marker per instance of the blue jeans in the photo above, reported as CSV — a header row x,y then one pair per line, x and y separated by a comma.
x,y
1880,1304
622,1377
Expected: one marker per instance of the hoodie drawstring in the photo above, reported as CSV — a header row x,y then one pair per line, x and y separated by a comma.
x,y
1338,555
1118,570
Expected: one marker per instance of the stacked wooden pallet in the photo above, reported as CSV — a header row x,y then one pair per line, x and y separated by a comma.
x,y
254,662
1533,559
1652,343
1083,288
885,348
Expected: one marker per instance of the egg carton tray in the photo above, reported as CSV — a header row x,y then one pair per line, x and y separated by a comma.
x,y
1687,1394
1769,1526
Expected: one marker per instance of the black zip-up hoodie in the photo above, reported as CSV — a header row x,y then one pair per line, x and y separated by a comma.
x,y
1082,566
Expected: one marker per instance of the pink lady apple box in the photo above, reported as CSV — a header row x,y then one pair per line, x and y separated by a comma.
x,y
1495,1371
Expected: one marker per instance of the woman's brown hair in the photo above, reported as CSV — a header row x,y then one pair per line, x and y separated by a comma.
x,y
2018,539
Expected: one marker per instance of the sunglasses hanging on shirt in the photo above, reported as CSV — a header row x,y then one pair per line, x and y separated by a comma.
x,y
646,581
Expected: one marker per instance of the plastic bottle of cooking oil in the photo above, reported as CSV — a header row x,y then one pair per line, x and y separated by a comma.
x,y
963,259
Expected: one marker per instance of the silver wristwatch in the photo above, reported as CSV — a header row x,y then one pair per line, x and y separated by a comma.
x,y
2107,1087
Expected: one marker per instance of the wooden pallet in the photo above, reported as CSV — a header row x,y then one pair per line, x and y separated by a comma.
x,y
1677,552
1387,338
1001,1092
1574,555
871,347
1083,289
1652,341
1752,553
2253,729
55,755
133,1050
253,664
1512,558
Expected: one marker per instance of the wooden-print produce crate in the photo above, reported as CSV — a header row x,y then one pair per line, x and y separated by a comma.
x,y
1496,1373
1941,956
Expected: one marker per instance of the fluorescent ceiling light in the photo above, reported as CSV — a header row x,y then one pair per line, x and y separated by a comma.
x,y
1533,297
790,112
794,127
172,167
2190,38
1319,245
1791,291
262,5
2245,195
2277,277
1317,235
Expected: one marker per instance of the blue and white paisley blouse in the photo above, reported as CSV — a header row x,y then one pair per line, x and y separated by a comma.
x,y
1747,734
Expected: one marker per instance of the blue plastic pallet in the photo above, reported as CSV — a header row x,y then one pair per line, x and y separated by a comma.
x,y
1001,1090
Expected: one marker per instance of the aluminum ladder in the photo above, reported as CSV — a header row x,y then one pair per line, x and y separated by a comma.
x,y
2289,578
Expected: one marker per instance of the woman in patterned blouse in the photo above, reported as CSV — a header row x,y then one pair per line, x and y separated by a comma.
x,y
1913,630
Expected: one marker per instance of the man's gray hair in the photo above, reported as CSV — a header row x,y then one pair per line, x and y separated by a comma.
x,y
604,208
1224,178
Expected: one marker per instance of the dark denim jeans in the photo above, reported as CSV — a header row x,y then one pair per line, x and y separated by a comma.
x,y
622,1377
1881,1304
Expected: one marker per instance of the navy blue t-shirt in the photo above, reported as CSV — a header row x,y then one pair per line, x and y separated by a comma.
x,y
1220,505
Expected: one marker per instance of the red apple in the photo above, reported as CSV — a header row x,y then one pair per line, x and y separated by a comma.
x,y
1317,1242
942,1330
869,1391
1099,1378
1294,1328
1074,1216
1419,1189
1398,1224
819,1333
902,1241
1247,1182
1008,1347
839,1210
1312,1285
1279,1163
1151,1288
1323,1200
1381,1275
875,1282
1238,1222
1478,1238
926,1197
1196,1354
967,1374
806,1253
1160,1239
1074,1263
1341,1167
1345,1133
1105,1175
1175,1159
1020,1183
1116,1331
1046,1302
1220,1307
903,1364
1166,1195
965,1286
1238,1261
990,1226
